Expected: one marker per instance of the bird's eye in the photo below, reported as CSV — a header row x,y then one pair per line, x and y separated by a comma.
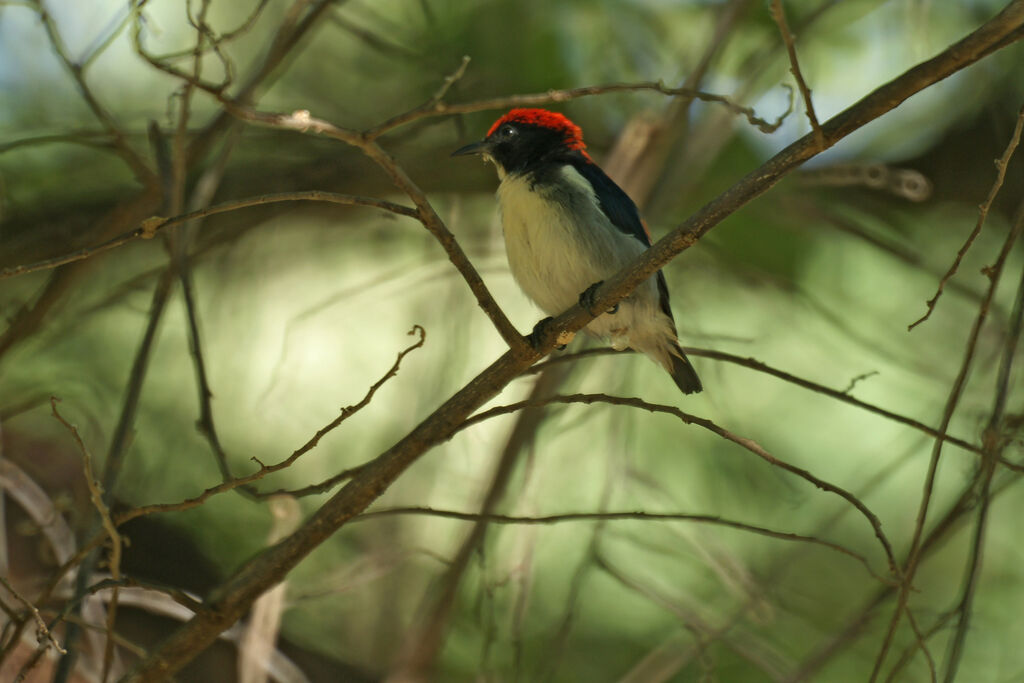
x,y
508,132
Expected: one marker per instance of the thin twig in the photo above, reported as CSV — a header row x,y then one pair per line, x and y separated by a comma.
x,y
757,365
994,442
264,470
77,71
203,193
913,556
494,518
779,16
156,224
425,638
109,528
1001,165
42,631
302,122
748,444
440,108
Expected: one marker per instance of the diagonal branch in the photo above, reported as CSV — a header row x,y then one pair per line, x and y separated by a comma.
x,y
558,518
234,597
77,71
440,108
1001,164
956,391
156,224
301,121
748,444
779,16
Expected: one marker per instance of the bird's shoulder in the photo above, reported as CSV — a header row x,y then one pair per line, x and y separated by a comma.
x,y
613,200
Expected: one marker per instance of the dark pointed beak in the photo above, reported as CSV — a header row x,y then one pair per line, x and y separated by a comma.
x,y
481,147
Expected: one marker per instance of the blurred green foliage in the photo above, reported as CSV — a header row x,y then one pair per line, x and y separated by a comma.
x,y
303,306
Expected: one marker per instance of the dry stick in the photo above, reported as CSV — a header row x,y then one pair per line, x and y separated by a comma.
x,y
77,71
119,444
434,108
909,651
994,442
638,161
1001,164
201,196
704,423
45,638
913,557
182,237
264,470
287,37
86,138
426,637
941,532
923,644
301,121
755,653
493,518
30,318
116,543
757,365
779,16
231,600
554,653
156,224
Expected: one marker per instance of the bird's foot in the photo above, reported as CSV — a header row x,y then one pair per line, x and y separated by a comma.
x,y
541,329
587,300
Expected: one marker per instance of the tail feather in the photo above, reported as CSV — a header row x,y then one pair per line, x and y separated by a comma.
x,y
683,373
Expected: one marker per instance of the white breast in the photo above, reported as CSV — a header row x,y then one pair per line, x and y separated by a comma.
x,y
558,240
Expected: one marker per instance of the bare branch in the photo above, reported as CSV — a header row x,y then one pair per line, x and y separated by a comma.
x,y
757,365
156,224
994,444
748,444
42,632
77,71
441,108
623,515
1001,164
95,493
779,16
264,470
301,121
955,392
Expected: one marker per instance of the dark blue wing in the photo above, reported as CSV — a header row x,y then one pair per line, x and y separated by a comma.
x,y
615,203
624,215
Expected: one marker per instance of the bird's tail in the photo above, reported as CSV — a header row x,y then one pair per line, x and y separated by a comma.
x,y
682,372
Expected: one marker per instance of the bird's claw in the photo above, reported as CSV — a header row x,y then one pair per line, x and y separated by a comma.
x,y
587,300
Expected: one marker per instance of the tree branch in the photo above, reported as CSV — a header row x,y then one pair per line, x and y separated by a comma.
x,y
748,444
156,224
1001,164
493,518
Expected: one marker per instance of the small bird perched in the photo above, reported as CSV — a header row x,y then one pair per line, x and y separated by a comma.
x,y
568,226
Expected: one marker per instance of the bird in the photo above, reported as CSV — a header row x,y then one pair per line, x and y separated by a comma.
x,y
568,227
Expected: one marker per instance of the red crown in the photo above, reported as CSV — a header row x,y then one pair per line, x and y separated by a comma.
x,y
547,119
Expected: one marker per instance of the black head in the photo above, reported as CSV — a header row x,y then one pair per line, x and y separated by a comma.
x,y
524,138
